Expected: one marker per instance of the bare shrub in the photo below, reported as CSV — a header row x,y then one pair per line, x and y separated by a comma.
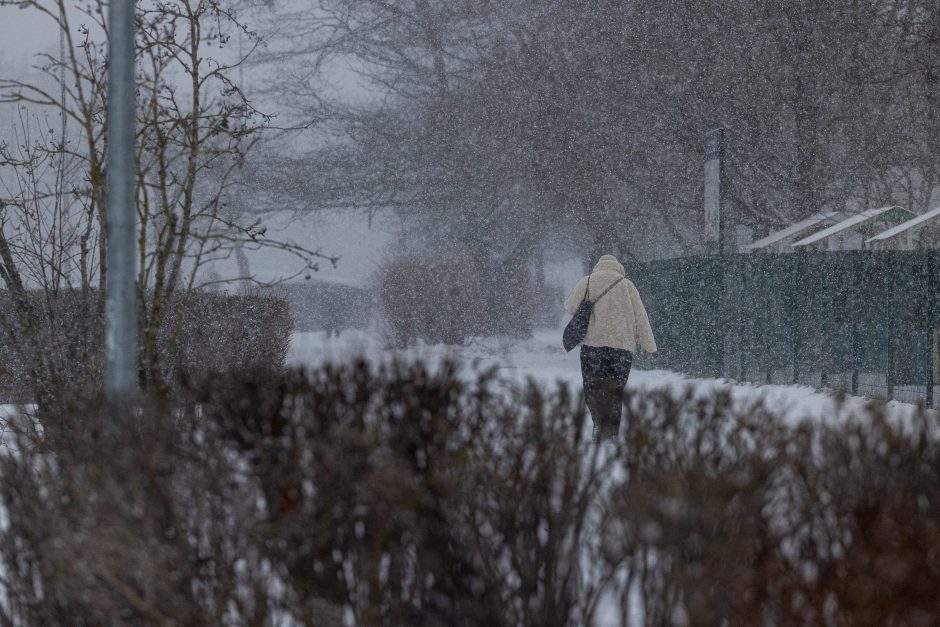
x,y
193,204
54,349
513,301
731,515
444,300
439,502
326,306
398,495
216,332
208,332
432,300
128,517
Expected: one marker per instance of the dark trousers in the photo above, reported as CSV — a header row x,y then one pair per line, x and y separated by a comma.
x,y
605,372
604,399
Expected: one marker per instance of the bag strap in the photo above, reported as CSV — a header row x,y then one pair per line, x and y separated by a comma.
x,y
587,289
610,287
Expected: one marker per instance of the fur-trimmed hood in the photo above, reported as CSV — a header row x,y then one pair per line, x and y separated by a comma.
x,y
619,319
609,265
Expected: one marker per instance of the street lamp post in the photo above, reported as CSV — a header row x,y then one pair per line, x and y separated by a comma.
x,y
120,375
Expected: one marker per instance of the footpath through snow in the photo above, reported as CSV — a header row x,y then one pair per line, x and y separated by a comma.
x,y
543,359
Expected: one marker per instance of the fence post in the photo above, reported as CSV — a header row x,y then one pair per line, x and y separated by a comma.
x,y
825,297
796,342
730,329
743,337
771,278
888,327
856,274
930,323
727,318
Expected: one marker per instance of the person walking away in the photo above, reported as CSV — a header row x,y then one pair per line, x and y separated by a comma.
x,y
618,323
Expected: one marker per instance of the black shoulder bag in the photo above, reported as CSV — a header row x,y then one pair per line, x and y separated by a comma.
x,y
577,327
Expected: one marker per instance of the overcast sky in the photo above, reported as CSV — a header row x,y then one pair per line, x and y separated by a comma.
x,y
23,33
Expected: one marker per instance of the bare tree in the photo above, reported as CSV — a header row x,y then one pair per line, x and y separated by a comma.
x,y
48,261
194,127
594,113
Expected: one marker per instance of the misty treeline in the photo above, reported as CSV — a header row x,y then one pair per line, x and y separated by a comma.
x,y
194,127
503,129
409,496
508,133
502,133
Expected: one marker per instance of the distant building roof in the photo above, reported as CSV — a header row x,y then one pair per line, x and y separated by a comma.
x,y
905,226
892,213
793,229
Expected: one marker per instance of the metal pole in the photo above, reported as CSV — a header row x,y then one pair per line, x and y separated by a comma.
x,y
929,311
715,194
120,375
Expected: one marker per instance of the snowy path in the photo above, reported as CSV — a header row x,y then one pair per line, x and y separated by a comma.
x,y
543,359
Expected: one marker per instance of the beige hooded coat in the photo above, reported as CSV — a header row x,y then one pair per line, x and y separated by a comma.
x,y
619,318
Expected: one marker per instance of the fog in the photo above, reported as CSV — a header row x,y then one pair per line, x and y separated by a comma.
x,y
587,313
519,143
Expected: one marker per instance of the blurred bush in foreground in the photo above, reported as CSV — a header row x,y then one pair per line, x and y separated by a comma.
x,y
399,495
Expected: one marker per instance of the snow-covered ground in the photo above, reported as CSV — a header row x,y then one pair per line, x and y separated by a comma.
x,y
543,359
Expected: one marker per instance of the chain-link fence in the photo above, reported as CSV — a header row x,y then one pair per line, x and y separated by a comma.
x,y
860,321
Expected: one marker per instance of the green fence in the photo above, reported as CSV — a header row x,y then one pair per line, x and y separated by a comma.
x,y
861,321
